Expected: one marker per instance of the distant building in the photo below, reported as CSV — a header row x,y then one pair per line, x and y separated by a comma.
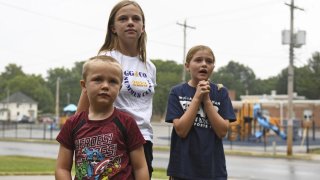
x,y
277,105
18,107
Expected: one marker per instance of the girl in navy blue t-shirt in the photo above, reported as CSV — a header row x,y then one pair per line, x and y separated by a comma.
x,y
200,112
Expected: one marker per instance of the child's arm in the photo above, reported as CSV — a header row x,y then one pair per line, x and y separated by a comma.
x,y
64,163
139,164
185,122
83,104
218,124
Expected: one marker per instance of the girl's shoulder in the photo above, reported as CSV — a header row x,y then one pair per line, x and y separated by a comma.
x,y
219,88
113,53
180,87
150,64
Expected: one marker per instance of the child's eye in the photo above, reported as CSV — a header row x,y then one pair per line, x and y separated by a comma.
x,y
114,81
136,18
122,18
198,60
98,79
209,61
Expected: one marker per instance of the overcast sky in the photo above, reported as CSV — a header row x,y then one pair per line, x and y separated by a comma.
x,y
43,34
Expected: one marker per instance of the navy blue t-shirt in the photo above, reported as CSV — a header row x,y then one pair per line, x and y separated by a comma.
x,y
200,155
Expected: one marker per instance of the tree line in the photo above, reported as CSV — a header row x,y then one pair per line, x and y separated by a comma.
x,y
234,76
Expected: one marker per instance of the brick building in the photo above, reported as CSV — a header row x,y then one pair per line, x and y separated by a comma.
x,y
276,106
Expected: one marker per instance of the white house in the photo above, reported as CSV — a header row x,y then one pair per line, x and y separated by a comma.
x,y
18,107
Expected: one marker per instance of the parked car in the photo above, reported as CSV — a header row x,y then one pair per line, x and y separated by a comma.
x,y
25,119
46,118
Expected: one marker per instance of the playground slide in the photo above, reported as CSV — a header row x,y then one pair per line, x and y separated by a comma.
x,y
264,122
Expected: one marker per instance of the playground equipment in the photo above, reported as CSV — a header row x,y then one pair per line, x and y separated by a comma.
x,y
264,122
273,118
252,123
68,111
306,125
243,124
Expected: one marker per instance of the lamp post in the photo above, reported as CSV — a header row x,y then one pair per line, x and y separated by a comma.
x,y
57,100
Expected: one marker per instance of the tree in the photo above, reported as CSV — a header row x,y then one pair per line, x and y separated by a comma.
x,y
76,76
69,83
264,86
282,82
13,79
11,71
168,74
307,81
34,87
237,77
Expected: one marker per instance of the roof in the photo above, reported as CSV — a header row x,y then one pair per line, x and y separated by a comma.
x,y
18,97
71,108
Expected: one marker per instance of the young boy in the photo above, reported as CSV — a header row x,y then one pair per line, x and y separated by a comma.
x,y
106,142
200,112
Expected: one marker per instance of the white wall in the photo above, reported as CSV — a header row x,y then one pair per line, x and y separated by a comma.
x,y
17,111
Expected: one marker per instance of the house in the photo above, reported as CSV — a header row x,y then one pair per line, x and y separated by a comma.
x,y
18,107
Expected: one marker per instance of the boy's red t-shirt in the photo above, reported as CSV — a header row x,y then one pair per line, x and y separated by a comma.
x,y
99,146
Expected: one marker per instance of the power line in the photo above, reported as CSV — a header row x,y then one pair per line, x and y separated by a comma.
x,y
165,43
72,22
236,10
51,17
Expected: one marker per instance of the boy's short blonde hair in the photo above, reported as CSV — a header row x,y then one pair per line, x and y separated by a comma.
x,y
102,58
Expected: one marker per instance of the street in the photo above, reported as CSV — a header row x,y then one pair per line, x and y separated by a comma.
x,y
239,167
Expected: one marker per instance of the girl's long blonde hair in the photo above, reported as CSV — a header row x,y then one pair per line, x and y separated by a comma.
x,y
112,42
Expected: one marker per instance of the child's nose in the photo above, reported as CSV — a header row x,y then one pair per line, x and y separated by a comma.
x,y
130,21
105,84
203,62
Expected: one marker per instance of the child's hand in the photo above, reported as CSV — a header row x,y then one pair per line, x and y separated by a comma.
x,y
203,89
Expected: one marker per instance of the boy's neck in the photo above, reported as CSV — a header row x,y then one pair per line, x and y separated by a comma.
x,y
100,114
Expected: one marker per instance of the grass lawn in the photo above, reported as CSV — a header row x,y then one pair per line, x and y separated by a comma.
x,y
24,165
315,151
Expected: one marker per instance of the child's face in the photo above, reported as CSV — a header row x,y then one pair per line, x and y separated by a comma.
x,y
201,65
128,23
103,83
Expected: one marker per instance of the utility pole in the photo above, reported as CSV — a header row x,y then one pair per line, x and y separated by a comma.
x,y
68,98
185,26
57,100
290,80
8,101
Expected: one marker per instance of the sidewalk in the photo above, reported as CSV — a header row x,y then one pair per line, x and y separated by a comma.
x,y
27,177
258,149
35,178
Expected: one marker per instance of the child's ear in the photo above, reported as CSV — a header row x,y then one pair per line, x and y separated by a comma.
x,y
113,30
186,66
83,84
143,28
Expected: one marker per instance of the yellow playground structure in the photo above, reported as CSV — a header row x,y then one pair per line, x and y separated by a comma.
x,y
253,122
